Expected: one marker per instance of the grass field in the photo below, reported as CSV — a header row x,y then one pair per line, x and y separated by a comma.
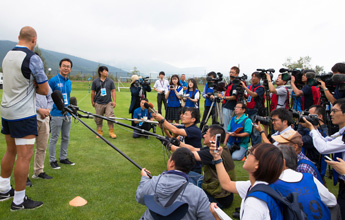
x,y
101,175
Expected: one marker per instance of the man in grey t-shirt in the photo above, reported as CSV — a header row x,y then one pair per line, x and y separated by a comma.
x,y
103,98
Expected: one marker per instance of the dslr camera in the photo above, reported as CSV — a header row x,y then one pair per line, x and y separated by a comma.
x,y
313,119
262,120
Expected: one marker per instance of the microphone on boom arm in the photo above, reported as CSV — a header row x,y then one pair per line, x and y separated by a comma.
x,y
149,106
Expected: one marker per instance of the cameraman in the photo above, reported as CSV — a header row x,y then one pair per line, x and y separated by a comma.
x,y
229,101
161,87
208,96
254,102
280,94
281,121
338,68
138,92
308,146
333,144
306,92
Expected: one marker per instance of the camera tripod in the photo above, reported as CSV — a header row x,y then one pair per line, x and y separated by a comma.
x,y
218,113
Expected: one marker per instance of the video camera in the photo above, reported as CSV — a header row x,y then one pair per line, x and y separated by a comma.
x,y
217,83
144,81
264,71
297,73
239,91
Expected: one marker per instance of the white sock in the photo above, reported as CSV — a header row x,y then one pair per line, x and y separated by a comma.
x,y
5,184
19,197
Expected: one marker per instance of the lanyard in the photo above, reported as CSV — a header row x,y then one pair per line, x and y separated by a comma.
x,y
160,81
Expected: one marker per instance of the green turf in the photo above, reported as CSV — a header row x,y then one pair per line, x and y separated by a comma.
x,y
101,175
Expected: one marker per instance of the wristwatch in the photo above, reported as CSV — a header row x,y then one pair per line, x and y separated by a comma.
x,y
262,132
162,121
217,161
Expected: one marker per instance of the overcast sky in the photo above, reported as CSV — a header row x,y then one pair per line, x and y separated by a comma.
x,y
214,34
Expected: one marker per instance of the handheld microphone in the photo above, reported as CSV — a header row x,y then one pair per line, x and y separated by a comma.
x,y
58,100
149,106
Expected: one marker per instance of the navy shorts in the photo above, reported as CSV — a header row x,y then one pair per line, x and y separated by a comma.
x,y
20,128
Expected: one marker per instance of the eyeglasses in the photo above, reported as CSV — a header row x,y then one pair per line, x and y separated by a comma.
x,y
334,110
250,153
67,67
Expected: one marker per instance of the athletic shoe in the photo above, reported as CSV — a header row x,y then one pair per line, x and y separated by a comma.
x,y
6,196
27,204
28,182
66,161
55,165
42,176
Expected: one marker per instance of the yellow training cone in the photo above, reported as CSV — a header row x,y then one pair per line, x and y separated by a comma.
x,y
77,201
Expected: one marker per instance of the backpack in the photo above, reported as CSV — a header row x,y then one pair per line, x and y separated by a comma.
x,y
290,207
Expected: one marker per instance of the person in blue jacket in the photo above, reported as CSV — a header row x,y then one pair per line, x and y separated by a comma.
x,y
173,97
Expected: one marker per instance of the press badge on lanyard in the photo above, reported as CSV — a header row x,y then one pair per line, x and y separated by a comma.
x,y
64,95
103,92
249,99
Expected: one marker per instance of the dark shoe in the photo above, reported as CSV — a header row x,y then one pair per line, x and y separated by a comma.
x,y
42,176
27,204
66,161
6,196
146,137
55,165
28,182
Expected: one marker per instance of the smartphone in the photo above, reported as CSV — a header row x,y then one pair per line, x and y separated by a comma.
x,y
217,143
327,158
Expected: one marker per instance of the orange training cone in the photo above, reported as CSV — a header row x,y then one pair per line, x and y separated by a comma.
x,y
77,201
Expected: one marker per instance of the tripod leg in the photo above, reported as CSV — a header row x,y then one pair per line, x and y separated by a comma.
x,y
207,117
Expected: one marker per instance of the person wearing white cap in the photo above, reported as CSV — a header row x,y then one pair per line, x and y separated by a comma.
x,y
138,92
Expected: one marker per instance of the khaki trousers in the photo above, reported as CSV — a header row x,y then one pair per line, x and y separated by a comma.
x,y
41,145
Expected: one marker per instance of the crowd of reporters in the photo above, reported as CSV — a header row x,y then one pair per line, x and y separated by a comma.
x,y
304,125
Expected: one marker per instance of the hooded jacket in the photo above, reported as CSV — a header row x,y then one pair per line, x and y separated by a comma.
x,y
199,205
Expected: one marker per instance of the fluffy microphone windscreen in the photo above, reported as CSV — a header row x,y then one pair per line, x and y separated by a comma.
x,y
151,105
146,105
73,101
58,99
